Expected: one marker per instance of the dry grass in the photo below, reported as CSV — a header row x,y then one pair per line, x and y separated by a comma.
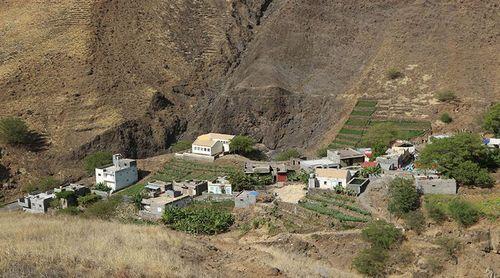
x,y
69,246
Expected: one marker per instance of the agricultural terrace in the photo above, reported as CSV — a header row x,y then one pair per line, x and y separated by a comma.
x,y
361,119
340,208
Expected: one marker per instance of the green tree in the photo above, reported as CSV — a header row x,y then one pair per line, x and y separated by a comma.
x,y
381,234
446,118
380,136
288,154
463,212
403,196
491,120
241,144
454,157
181,145
13,131
322,152
96,160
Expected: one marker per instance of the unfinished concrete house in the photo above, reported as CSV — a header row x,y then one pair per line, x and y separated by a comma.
x,y
36,203
122,173
191,188
220,186
245,199
434,184
346,157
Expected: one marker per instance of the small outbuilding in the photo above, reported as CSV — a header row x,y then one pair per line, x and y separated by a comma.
x,y
434,184
245,199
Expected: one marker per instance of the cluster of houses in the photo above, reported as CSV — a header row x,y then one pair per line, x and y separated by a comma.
x,y
339,169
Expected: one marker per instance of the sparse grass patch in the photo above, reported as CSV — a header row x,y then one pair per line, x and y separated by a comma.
x,y
351,131
446,96
178,170
394,73
366,113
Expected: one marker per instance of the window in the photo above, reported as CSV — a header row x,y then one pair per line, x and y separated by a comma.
x,y
324,182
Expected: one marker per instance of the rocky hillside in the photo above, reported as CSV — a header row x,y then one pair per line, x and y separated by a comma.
x,y
135,76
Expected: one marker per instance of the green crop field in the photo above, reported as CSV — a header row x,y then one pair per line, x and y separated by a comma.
x,y
366,103
177,170
340,207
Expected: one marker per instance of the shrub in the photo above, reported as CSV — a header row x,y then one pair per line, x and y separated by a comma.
x,y
463,212
435,212
381,234
198,220
446,118
403,196
241,144
491,121
181,145
65,194
102,187
13,131
321,152
470,173
104,209
96,160
394,73
288,154
446,96
415,221
241,181
300,176
449,245
371,261
87,200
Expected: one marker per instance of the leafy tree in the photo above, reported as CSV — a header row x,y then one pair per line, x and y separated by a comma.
x,y
241,181
463,212
181,145
403,196
96,160
13,131
371,261
381,234
415,221
288,154
446,118
380,136
446,96
491,120
241,144
454,157
394,73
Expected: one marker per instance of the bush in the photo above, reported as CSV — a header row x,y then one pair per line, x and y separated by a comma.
x,y
102,187
403,196
181,145
87,200
370,171
104,209
446,96
394,73
241,181
491,121
96,160
381,234
241,144
288,154
446,118
470,173
449,245
463,212
435,212
198,220
66,194
300,176
322,152
13,131
415,221
371,261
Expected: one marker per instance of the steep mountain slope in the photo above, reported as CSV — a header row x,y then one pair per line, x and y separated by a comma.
x,y
135,76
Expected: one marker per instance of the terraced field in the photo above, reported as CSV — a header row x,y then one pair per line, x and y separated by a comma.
x,y
362,118
339,207
178,170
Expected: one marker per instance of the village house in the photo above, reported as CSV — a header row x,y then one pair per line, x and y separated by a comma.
x,y
155,207
279,171
346,157
121,174
211,144
36,203
191,188
79,191
245,199
434,184
402,146
323,163
220,186
492,142
331,178
394,161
